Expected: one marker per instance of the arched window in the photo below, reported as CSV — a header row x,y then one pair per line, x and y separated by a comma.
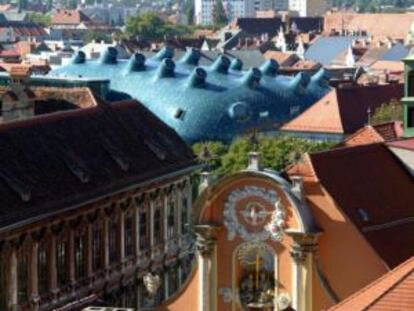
x,y
410,87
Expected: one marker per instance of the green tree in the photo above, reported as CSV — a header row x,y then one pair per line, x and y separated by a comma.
x,y
97,36
276,152
152,27
40,19
219,14
388,112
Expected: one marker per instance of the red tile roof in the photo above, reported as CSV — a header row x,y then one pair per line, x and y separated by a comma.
x,y
344,110
393,291
407,144
375,190
375,133
69,17
395,26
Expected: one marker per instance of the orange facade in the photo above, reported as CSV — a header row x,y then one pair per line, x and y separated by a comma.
x,y
319,258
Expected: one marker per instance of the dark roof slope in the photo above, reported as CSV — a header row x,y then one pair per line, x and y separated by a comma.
x,y
258,26
376,192
306,24
56,161
354,103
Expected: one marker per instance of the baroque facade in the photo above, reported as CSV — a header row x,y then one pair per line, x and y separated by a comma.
x,y
80,228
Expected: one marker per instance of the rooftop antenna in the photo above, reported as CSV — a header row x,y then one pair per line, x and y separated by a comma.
x,y
369,115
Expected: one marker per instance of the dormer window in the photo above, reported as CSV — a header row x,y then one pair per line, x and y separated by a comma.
x,y
363,214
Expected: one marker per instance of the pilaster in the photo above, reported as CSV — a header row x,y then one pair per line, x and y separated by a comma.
x,y
206,244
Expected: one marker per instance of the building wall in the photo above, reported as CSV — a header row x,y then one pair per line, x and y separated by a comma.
x,y
347,260
309,7
107,246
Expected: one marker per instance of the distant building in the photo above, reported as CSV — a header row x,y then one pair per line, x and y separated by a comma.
x,y
341,112
309,8
203,10
408,97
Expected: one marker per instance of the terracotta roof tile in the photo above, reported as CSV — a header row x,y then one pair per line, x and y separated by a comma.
x,y
393,291
379,203
395,26
344,110
70,17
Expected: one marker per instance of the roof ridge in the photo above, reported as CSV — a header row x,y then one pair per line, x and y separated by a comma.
x,y
376,282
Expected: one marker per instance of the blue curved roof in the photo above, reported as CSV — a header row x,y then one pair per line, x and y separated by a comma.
x,y
216,102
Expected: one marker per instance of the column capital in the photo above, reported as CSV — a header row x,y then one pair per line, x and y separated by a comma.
x,y
303,245
206,238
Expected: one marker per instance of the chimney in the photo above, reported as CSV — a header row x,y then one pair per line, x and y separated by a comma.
x,y
297,187
18,101
254,161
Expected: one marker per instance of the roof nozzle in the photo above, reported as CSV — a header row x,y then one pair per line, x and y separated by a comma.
x,y
109,56
252,78
136,63
270,68
236,64
166,68
321,77
79,58
221,64
165,52
299,83
191,57
197,78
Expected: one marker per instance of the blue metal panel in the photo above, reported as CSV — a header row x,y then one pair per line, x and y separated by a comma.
x,y
212,102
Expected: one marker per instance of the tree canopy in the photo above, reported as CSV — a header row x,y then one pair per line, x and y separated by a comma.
x,y
40,19
219,14
388,112
276,152
151,26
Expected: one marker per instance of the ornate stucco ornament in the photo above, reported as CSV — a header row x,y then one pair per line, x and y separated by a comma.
x,y
266,219
152,283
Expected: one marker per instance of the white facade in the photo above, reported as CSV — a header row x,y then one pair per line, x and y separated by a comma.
x,y
203,10
309,7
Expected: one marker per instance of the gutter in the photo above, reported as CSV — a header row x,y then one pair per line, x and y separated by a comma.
x,y
22,223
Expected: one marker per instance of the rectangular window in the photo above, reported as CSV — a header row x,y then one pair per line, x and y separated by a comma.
x,y
184,215
157,226
97,248
410,117
61,262
79,245
22,277
171,219
128,238
42,269
113,241
143,231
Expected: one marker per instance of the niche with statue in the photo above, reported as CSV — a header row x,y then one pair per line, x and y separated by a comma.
x,y
256,276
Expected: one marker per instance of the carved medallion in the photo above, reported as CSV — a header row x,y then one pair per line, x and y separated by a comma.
x,y
255,214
